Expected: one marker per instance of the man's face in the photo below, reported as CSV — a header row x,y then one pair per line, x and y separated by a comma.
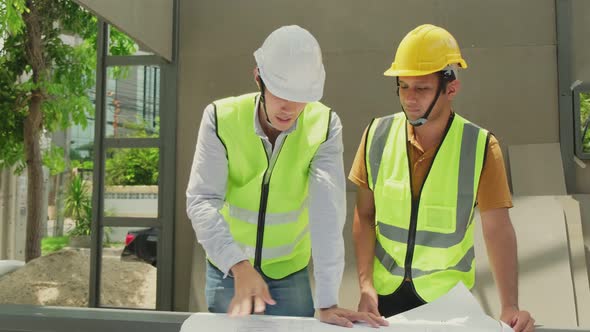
x,y
416,93
282,113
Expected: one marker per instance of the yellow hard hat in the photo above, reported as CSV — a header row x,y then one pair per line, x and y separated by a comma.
x,y
425,50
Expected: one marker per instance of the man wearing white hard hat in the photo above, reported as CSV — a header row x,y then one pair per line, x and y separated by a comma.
x,y
267,186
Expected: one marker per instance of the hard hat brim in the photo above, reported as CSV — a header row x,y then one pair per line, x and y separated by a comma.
x,y
397,72
408,72
305,95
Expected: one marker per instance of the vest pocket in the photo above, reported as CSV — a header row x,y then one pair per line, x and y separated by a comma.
x,y
394,204
440,219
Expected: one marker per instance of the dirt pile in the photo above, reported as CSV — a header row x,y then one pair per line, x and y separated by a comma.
x,y
61,279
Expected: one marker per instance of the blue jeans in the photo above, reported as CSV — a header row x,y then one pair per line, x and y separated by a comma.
x,y
292,293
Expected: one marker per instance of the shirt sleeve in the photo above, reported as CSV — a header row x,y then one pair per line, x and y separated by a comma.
x,y
493,191
327,213
205,196
358,171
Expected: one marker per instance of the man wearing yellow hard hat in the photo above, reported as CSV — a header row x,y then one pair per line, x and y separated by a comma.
x,y
267,185
420,173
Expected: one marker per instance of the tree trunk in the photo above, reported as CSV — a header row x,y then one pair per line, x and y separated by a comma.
x,y
32,129
34,180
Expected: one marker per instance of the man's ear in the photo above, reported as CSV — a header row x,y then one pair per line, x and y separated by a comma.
x,y
453,88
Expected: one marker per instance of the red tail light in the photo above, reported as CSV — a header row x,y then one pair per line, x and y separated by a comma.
x,y
129,238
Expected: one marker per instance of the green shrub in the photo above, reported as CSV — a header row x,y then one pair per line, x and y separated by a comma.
x,y
78,206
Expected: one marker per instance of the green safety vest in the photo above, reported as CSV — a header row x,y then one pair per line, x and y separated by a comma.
x,y
266,204
428,240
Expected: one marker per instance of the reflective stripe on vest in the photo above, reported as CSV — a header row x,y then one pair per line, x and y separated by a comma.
x,y
464,265
276,252
266,199
270,218
446,251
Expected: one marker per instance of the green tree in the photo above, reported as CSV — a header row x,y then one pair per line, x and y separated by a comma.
x,y
43,87
133,167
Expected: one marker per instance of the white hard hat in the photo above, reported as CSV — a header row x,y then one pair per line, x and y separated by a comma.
x,y
290,64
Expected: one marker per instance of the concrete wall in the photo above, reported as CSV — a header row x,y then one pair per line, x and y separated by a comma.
x,y
147,21
12,215
510,86
131,201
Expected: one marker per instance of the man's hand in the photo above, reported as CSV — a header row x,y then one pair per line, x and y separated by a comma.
x,y
249,287
369,301
518,320
345,317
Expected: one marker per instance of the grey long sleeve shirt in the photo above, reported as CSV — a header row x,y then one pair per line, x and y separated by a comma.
x,y
205,196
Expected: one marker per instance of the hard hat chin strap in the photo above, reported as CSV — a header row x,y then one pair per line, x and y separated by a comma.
x,y
263,102
442,83
423,119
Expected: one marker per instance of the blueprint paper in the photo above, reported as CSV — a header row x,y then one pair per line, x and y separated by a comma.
x,y
457,311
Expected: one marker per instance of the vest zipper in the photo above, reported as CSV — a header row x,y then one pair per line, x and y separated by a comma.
x,y
260,228
263,203
411,238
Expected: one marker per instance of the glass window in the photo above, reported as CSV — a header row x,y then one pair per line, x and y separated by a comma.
x,y
582,121
131,182
133,101
129,267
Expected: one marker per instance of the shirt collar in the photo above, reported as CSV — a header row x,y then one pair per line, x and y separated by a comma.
x,y
412,135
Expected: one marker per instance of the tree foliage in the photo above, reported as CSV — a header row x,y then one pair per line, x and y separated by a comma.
x,y
132,167
47,66
70,71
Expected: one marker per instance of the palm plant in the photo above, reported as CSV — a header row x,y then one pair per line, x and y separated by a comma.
x,y
77,205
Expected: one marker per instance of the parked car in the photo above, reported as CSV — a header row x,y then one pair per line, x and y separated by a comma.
x,y
141,245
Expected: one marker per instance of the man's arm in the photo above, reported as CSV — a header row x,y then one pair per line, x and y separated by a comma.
x,y
205,196
327,213
363,230
500,242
